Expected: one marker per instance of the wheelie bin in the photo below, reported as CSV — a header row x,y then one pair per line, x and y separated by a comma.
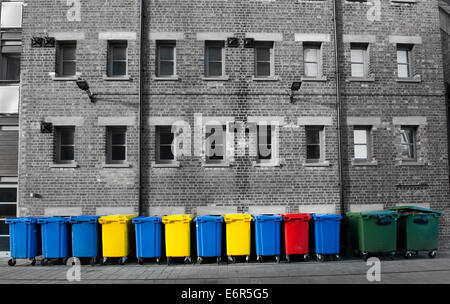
x,y
238,236
148,238
417,230
85,237
267,236
55,238
178,237
117,237
296,234
373,232
209,237
25,239
326,233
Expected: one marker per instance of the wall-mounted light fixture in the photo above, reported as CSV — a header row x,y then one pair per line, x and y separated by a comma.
x,y
294,87
83,85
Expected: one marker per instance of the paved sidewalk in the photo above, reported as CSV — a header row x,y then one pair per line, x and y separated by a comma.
x,y
416,270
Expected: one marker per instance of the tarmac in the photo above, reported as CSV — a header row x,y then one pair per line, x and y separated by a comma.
x,y
419,269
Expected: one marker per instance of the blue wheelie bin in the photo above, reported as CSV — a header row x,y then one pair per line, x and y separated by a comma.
x,y
326,235
55,238
85,237
148,238
25,239
267,236
209,237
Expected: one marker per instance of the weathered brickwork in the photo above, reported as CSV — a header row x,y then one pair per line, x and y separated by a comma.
x,y
242,185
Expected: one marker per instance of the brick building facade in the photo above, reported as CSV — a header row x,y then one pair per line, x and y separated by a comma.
x,y
391,94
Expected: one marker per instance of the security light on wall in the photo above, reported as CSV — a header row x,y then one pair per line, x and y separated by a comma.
x,y
83,85
294,87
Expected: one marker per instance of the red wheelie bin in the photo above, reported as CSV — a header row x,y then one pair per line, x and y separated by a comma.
x,y
296,234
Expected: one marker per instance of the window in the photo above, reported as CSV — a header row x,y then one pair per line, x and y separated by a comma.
x,y
117,58
361,136
404,61
264,134
215,144
408,142
66,59
165,147
8,207
311,59
214,58
359,60
314,144
65,145
264,66
116,145
11,15
10,66
166,63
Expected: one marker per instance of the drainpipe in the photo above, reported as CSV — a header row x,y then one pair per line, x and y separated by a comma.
x,y
141,97
338,108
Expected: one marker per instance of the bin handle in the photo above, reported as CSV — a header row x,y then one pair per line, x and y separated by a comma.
x,y
423,220
383,221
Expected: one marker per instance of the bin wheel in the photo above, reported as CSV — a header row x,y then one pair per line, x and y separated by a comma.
x,y
199,260
432,254
416,252
259,259
247,258
93,261
320,257
12,262
277,258
231,259
140,261
64,261
44,262
158,261
33,262
123,260
393,255
408,254
335,257
188,260
365,256
288,258
103,261
219,260
169,260
306,257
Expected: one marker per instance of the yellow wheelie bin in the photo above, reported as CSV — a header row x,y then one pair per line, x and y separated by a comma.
x,y
117,237
178,237
238,235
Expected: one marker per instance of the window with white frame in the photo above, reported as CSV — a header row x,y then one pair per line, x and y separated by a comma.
x,y
116,145
404,59
265,143
315,144
214,58
215,144
65,145
312,59
264,59
117,58
165,145
11,15
8,208
66,61
359,60
361,143
166,59
408,143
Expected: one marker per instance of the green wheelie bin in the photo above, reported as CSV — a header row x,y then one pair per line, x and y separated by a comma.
x,y
417,230
373,232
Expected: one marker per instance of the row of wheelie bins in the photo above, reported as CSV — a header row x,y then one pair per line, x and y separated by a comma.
x,y
115,237
405,230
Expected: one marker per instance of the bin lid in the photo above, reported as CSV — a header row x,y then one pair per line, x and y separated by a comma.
x,y
287,217
324,216
414,209
26,220
209,218
116,218
83,219
147,219
185,218
237,217
56,219
376,214
268,218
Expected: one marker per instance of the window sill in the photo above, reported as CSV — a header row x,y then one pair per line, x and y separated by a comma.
x,y
9,82
124,165
67,78
117,78
220,78
314,79
72,165
218,165
168,78
175,164
271,78
410,163
364,163
361,79
266,164
415,79
319,164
